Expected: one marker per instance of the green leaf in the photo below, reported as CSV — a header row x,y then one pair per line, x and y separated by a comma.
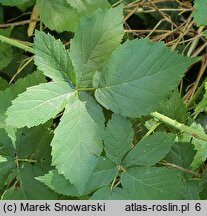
x,y
18,87
32,158
3,84
102,175
200,12
202,106
153,183
192,189
5,49
59,16
181,154
6,166
77,141
86,7
58,183
29,188
118,138
95,39
199,145
51,57
38,104
149,151
6,145
137,86
174,107
13,2
105,193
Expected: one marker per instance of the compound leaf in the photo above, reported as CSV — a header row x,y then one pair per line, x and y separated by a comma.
x,y
59,16
77,141
149,151
118,138
136,87
38,104
95,39
51,57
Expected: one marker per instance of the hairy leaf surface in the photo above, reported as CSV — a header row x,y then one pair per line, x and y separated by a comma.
x,y
77,141
95,39
136,87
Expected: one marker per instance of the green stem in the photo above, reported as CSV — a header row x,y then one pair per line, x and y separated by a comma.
x,y
181,127
16,43
86,89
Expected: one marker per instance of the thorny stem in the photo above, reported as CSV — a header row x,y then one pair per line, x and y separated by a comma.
x,y
16,43
181,127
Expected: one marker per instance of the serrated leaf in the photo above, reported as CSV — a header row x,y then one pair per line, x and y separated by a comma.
x,y
102,175
117,138
200,146
200,12
58,183
3,84
86,7
202,106
43,101
18,87
59,16
6,145
13,2
6,166
174,107
137,86
106,193
95,39
28,187
5,49
77,141
181,154
153,183
149,151
52,58
32,158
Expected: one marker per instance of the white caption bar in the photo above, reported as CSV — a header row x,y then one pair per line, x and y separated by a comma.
x,y
103,207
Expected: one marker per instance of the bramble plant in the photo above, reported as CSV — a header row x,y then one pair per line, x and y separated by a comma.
x,y
71,128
